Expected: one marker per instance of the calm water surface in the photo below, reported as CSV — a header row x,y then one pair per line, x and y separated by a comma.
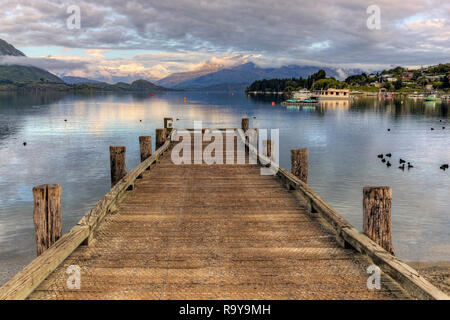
x,y
343,138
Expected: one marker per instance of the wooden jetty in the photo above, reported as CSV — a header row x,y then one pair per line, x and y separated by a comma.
x,y
215,231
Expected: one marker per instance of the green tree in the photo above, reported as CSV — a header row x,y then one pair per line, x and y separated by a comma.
x,y
445,82
324,84
387,86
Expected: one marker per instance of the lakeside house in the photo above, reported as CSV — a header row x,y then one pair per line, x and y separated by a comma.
x,y
333,94
435,78
407,75
375,84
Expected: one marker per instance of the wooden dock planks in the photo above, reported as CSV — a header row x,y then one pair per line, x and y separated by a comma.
x,y
213,232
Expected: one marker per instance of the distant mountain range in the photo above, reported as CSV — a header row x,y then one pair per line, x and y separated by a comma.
x,y
76,80
19,73
23,77
7,49
245,74
135,86
175,79
212,77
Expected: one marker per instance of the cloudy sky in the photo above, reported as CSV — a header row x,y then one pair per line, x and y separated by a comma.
x,y
152,39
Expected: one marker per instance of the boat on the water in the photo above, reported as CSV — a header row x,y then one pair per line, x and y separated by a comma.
x,y
311,99
301,94
298,102
432,97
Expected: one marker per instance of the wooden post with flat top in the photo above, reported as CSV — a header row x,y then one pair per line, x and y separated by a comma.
x,y
117,163
47,215
160,138
145,146
299,164
245,124
168,124
267,147
377,206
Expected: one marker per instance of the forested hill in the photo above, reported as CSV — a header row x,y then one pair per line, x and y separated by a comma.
x,y
315,81
435,77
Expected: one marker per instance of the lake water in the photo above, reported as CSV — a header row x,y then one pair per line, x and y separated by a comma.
x,y
344,139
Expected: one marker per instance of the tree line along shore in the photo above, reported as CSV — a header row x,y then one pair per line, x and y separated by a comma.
x,y
399,79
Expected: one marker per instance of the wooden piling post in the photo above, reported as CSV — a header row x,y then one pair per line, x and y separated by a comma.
x,y
299,164
377,205
160,137
168,124
117,163
145,145
47,215
267,146
245,124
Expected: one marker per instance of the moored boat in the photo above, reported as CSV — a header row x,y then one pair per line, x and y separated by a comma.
x,y
432,97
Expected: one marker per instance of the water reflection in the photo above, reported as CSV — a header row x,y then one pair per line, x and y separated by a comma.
x,y
343,137
393,107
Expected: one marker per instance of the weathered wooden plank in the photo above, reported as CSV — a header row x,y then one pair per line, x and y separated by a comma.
x,y
160,137
21,285
47,215
245,124
145,146
299,164
409,278
117,163
377,212
190,243
94,216
32,275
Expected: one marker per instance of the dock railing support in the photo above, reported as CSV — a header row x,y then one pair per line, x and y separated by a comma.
x,y
117,163
160,138
267,147
145,146
47,215
168,124
299,164
245,124
377,206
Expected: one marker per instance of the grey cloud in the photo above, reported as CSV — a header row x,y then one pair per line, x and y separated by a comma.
x,y
51,64
280,30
